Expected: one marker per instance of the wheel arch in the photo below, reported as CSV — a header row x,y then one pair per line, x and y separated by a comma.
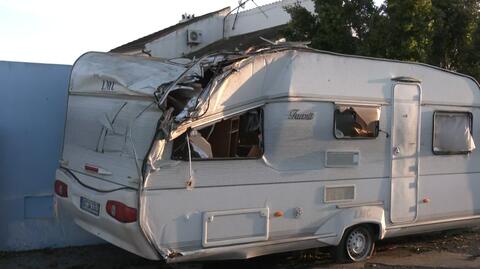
x,y
344,219
376,228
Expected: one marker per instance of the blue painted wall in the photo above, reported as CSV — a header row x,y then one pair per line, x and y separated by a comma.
x,y
32,116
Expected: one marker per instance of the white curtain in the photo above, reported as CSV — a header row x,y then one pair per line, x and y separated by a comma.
x,y
452,133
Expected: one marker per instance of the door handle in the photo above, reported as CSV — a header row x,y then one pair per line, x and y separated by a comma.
x,y
396,150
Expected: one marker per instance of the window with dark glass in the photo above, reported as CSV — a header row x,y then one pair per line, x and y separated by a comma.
x,y
356,121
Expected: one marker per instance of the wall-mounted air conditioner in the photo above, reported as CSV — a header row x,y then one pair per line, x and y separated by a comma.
x,y
194,37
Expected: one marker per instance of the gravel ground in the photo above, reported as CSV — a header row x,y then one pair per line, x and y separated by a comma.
x,y
450,249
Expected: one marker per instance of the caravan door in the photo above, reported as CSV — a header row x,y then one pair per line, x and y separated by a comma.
x,y
405,146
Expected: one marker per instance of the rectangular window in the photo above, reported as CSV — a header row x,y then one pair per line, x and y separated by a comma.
x,y
238,137
356,121
452,132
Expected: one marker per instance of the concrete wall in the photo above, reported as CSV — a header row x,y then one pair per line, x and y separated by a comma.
x,y
32,116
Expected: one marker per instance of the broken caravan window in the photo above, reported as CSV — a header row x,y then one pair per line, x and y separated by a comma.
x,y
238,137
356,121
189,97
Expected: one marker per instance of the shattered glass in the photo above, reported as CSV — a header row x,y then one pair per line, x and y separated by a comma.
x,y
356,121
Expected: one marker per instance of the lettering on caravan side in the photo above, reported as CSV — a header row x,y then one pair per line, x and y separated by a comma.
x,y
108,85
294,114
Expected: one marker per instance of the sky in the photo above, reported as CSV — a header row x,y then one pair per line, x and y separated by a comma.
x,y
59,31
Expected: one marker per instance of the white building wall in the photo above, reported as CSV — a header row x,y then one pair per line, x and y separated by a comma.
x,y
213,29
175,44
253,20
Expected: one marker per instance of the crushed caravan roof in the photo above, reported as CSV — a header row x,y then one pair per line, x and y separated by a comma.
x,y
218,82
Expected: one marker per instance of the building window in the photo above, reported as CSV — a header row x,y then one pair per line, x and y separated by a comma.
x,y
356,121
238,137
452,132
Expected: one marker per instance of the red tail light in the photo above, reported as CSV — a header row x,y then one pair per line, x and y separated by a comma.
x,y
121,212
61,189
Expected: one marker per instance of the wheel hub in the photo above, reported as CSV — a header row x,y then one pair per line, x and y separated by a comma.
x,y
357,244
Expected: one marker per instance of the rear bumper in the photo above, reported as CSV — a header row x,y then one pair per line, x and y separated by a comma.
x,y
124,235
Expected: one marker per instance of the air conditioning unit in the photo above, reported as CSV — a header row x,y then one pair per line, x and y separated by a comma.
x,y
194,37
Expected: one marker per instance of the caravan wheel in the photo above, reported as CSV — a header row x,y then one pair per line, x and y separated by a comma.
x,y
357,245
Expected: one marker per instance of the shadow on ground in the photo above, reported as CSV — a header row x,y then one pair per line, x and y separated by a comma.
x,y
456,248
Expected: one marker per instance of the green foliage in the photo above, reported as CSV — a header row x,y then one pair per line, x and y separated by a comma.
x,y
408,29
453,25
302,24
337,25
332,30
363,17
445,33
471,60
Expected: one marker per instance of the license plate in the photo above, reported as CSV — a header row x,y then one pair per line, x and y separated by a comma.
x,y
90,206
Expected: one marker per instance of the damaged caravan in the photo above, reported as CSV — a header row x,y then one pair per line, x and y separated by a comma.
x,y
236,155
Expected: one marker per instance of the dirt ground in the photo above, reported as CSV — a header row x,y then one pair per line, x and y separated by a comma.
x,y
450,249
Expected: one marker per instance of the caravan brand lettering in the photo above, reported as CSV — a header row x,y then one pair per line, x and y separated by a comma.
x,y
294,114
108,85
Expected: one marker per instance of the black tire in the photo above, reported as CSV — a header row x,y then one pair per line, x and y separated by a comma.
x,y
357,245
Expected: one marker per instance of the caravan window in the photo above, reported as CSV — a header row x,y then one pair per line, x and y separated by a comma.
x,y
356,121
238,137
452,132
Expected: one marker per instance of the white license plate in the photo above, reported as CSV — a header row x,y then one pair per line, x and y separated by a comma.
x,y
90,206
